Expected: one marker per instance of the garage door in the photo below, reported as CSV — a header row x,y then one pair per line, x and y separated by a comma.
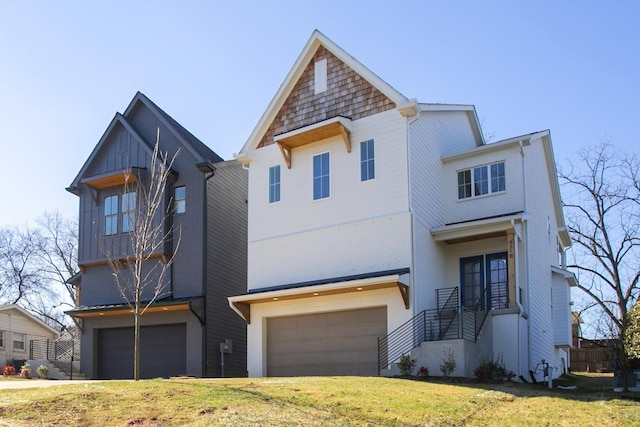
x,y
336,343
162,352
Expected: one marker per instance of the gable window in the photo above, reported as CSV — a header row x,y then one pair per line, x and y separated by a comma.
x,y
481,180
320,76
367,164
110,215
484,281
128,211
180,200
274,184
321,176
18,341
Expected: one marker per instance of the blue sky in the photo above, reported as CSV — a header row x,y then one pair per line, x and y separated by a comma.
x,y
67,67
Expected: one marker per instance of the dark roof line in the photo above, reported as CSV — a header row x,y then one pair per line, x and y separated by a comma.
x,y
330,280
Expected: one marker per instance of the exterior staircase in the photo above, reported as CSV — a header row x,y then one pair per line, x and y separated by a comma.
x,y
62,357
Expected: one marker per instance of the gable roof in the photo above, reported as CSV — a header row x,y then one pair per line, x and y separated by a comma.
x,y
316,41
31,317
197,148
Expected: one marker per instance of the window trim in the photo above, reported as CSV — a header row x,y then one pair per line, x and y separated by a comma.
x,y
24,341
2,338
470,187
321,176
111,215
179,202
274,184
368,164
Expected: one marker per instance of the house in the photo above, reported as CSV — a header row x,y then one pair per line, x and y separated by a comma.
x,y
183,329
18,328
380,226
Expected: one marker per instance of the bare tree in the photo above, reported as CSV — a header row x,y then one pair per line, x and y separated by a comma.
x,y
143,259
601,193
19,276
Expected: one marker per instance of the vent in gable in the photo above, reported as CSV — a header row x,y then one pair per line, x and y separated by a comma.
x,y
320,76
122,143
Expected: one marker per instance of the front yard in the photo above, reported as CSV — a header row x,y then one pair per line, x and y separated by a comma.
x,y
320,401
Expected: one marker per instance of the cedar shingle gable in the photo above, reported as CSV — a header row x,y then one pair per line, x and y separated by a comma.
x,y
348,95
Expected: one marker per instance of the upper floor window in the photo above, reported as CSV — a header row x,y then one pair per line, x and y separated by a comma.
x,y
367,164
18,341
128,211
482,180
180,200
274,184
110,215
321,181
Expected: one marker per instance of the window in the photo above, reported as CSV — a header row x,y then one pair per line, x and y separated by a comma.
x,y
320,76
180,200
128,211
110,215
367,165
321,176
274,184
485,179
18,341
484,281
1,339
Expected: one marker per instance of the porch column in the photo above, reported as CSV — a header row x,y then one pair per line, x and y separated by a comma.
x,y
511,268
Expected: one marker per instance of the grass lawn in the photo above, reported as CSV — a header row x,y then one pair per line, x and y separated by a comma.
x,y
320,401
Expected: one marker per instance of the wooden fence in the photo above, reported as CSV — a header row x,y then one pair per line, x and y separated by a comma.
x,y
597,359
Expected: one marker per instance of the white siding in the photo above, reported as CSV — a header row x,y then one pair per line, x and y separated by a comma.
x,y
14,322
508,201
432,135
362,227
561,311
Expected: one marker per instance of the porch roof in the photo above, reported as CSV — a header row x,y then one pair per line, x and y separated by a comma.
x,y
476,229
169,304
241,304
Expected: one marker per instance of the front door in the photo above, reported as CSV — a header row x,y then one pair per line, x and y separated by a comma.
x,y
484,281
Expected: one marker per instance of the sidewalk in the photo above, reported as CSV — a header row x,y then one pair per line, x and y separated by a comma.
x,y
35,383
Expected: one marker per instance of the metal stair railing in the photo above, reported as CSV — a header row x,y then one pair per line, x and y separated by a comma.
x,y
61,353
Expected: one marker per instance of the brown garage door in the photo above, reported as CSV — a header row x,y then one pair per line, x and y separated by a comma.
x,y
336,343
162,352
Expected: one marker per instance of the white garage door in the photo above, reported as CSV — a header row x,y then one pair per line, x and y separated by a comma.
x,y
336,343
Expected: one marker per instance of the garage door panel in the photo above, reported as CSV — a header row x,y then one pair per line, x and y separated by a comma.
x,y
162,352
335,343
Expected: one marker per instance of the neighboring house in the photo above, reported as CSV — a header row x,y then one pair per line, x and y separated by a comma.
x,y
183,329
380,226
18,328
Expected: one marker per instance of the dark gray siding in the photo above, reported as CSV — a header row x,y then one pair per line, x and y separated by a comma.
x,y
226,267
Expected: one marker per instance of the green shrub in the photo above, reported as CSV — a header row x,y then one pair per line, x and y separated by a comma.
x,y
493,371
406,364
448,363
43,371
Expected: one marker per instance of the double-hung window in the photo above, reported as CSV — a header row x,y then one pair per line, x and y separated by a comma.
x,y
110,215
128,211
179,200
274,184
1,339
367,164
486,179
321,176
18,341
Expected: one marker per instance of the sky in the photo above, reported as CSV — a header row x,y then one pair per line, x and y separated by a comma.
x,y
66,68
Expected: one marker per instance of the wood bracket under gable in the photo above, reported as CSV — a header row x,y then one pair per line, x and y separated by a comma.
x,y
404,291
244,310
286,154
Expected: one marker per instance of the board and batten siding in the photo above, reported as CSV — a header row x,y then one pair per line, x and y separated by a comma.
x,y
362,227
